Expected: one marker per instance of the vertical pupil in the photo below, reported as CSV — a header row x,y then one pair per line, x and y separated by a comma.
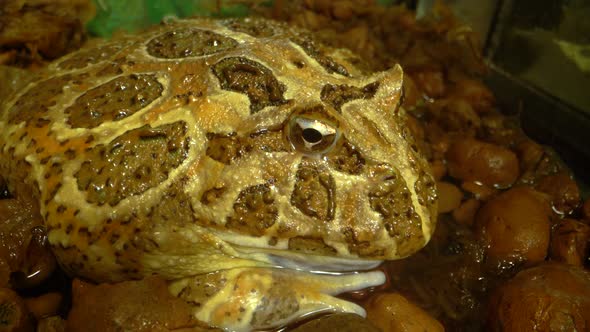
x,y
311,135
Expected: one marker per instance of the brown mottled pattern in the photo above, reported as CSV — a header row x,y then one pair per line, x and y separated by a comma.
x,y
189,42
133,163
275,307
310,47
114,100
346,158
174,208
338,95
226,148
254,211
314,193
89,57
37,100
267,140
363,248
251,78
255,27
202,287
425,187
392,199
223,148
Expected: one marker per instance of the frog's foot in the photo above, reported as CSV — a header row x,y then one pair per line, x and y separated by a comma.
x,y
258,298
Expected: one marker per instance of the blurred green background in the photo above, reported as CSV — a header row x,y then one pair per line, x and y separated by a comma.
x,y
132,15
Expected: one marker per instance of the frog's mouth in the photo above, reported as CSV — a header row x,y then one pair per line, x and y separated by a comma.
x,y
310,263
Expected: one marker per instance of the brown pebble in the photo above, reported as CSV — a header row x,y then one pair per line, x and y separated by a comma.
x,y
342,10
479,190
514,226
393,312
449,197
45,305
549,297
570,242
342,322
586,210
52,324
465,213
439,169
490,164
564,192
14,316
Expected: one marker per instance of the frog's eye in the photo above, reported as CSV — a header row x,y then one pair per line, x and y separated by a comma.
x,y
312,136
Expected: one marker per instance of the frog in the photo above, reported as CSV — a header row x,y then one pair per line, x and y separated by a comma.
x,y
259,171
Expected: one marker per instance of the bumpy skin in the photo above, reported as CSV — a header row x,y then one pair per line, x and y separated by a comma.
x,y
233,146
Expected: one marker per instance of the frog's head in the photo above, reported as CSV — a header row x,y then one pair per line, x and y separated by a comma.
x,y
329,170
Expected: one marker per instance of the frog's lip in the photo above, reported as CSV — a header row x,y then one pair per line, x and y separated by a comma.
x,y
308,262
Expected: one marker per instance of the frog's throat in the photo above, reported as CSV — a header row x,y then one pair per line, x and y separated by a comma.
x,y
244,299
196,251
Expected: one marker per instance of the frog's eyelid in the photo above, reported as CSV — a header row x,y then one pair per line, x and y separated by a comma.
x,y
323,128
306,145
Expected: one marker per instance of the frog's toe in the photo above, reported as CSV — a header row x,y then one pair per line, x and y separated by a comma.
x,y
258,298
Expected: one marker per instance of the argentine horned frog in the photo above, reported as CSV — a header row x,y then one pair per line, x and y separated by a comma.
x,y
235,158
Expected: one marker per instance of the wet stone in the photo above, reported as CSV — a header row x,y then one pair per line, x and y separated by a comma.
x,y
188,43
343,322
